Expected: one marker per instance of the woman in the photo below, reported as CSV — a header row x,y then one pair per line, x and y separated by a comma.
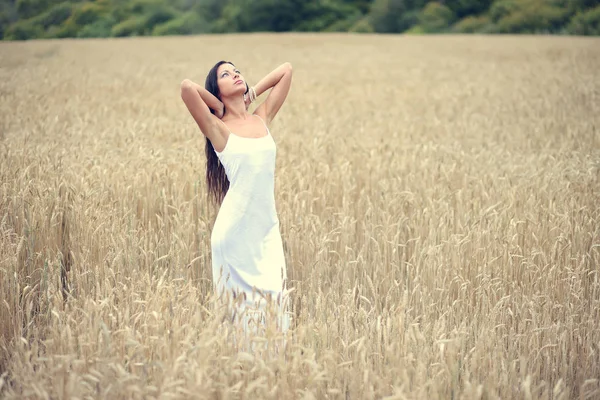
x,y
248,263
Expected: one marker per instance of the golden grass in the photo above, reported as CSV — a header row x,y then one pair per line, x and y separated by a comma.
x,y
439,200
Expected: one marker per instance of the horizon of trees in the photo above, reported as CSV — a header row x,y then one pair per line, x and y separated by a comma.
x,y
33,19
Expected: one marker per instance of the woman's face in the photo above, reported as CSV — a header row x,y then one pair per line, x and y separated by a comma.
x,y
230,81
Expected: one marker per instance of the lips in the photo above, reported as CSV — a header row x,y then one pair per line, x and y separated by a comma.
x,y
238,82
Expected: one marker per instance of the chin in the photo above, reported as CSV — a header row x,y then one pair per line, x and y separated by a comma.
x,y
239,89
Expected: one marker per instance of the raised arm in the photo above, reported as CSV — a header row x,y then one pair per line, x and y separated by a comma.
x,y
280,80
199,102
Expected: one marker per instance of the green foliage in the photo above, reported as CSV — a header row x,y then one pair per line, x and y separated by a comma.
x,y
25,19
4,23
54,16
133,26
144,16
472,24
585,23
574,6
344,25
211,10
503,8
328,16
408,20
8,14
388,16
100,28
270,15
264,15
463,8
59,31
160,16
362,26
416,30
23,30
435,17
532,16
361,5
229,20
82,16
187,24
87,13
30,8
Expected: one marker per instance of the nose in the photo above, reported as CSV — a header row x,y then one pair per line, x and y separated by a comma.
x,y
235,76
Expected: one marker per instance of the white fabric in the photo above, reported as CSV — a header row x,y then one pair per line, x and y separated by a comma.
x,y
247,251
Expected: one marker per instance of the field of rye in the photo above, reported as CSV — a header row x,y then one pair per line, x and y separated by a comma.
x,y
439,200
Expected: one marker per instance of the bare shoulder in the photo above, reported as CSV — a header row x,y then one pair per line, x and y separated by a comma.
x,y
261,113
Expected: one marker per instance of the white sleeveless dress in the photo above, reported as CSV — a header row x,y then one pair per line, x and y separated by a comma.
x,y
247,250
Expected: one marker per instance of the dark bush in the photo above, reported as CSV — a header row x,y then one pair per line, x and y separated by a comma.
x,y
23,30
130,27
187,24
87,13
533,17
472,24
386,16
435,17
503,8
585,23
55,15
30,8
100,28
362,26
328,16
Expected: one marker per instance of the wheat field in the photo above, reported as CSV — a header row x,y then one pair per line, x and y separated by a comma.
x,y
439,200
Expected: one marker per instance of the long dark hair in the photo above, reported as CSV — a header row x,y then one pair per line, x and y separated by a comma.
x,y
216,179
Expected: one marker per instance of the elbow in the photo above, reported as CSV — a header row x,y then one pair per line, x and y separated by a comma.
x,y
286,68
186,86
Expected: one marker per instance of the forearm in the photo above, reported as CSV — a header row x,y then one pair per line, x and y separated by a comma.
x,y
272,78
211,101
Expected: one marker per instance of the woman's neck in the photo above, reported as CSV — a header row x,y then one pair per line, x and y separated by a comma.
x,y
235,108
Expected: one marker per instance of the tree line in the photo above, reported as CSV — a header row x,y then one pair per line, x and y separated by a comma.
x,y
29,19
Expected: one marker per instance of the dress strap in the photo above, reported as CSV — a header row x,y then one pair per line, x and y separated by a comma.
x,y
258,116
